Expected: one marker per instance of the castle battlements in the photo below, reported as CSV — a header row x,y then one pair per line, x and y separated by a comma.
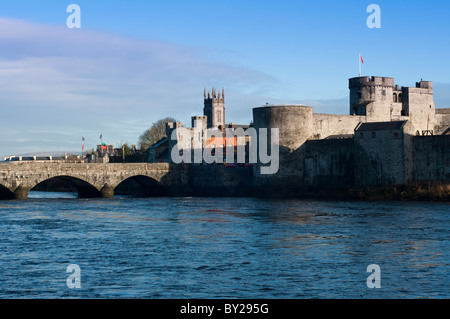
x,y
214,96
371,81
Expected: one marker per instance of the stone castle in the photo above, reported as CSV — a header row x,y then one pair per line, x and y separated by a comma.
x,y
392,136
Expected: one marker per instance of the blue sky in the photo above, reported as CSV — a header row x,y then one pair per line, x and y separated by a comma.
x,y
133,62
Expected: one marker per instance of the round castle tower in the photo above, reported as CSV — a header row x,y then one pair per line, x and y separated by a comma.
x,y
295,125
371,97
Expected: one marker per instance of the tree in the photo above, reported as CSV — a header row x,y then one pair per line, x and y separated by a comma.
x,y
124,147
155,133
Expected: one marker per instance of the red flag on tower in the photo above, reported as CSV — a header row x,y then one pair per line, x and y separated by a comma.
x,y
360,60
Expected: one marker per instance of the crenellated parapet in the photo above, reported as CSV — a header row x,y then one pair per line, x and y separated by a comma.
x,y
214,95
371,81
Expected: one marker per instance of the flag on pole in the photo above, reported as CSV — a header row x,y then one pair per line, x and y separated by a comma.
x,y
360,61
82,143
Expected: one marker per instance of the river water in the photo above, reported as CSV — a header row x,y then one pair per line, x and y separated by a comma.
x,y
222,248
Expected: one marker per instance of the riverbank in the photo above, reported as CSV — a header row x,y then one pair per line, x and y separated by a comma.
x,y
428,191
439,192
415,191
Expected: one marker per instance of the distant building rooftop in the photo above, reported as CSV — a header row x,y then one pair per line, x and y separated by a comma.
x,y
159,143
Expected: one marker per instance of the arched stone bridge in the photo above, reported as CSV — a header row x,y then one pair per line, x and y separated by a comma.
x,y
91,180
101,180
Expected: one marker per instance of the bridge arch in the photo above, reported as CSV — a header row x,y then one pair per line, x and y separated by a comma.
x,y
5,193
65,183
140,186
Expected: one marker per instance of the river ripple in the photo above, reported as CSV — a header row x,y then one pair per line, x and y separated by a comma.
x,y
222,248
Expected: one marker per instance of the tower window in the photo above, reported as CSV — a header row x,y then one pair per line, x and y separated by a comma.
x,y
395,98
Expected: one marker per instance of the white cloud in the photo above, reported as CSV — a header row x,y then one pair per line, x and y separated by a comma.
x,y
57,85
83,83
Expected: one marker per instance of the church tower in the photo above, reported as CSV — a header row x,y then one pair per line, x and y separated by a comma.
x,y
214,108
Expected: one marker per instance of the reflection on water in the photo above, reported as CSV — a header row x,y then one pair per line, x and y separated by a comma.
x,y
51,195
222,248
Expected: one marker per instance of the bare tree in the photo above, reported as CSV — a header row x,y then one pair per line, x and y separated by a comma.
x,y
155,133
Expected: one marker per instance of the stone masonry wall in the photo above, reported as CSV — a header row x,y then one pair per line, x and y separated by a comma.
x,y
329,164
419,102
325,125
379,158
442,121
431,158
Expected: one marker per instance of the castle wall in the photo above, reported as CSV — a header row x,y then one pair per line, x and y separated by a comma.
x,y
295,125
431,158
442,121
383,157
419,105
325,125
396,111
383,151
219,180
328,164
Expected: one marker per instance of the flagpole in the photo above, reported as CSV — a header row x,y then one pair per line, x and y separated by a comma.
x,y
101,143
359,60
82,147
